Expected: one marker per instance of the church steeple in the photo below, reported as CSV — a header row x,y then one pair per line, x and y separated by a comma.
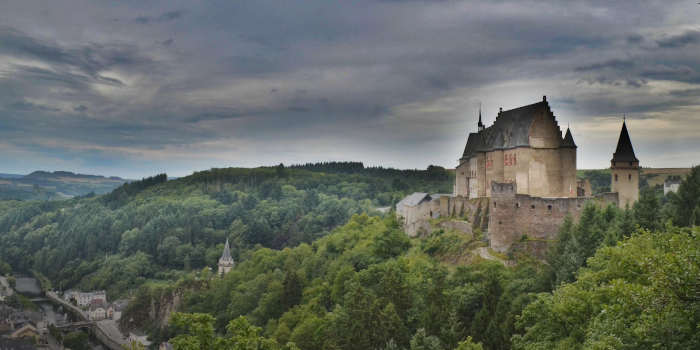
x,y
226,261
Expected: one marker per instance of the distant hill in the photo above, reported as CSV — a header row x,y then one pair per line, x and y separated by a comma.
x,y
44,185
649,177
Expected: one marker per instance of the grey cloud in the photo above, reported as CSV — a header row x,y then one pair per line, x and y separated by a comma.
x,y
689,37
25,106
165,17
612,64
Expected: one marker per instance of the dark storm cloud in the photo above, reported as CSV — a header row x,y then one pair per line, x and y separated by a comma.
x,y
391,82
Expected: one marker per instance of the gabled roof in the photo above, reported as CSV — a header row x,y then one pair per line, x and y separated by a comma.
x,y
511,129
624,151
568,140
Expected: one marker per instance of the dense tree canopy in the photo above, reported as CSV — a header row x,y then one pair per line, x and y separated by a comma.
x,y
154,229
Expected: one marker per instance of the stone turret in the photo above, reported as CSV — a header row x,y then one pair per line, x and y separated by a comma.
x,y
624,168
226,261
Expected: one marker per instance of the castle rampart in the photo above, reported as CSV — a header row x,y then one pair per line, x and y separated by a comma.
x,y
514,215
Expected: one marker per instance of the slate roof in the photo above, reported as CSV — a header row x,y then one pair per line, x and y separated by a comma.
x,y
413,199
511,129
568,140
624,151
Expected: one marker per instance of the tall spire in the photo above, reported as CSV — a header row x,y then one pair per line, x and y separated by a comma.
x,y
227,252
624,151
480,125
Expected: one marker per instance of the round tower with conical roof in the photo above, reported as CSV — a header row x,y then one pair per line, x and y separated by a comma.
x,y
624,169
226,261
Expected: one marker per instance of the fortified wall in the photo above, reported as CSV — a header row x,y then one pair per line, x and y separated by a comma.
x,y
505,217
514,215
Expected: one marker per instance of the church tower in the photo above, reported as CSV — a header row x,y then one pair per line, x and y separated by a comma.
x,y
624,170
226,261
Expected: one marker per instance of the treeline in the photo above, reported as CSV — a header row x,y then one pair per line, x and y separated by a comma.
x,y
155,229
616,279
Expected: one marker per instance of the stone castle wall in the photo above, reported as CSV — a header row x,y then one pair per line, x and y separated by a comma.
x,y
514,215
506,215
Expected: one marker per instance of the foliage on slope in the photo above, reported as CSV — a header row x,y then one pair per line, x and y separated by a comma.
x,y
642,293
365,286
154,229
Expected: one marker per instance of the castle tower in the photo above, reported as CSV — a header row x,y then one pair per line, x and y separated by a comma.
x,y
226,261
567,154
625,170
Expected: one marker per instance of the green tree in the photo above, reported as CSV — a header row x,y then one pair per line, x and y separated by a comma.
x,y
647,210
641,294
687,201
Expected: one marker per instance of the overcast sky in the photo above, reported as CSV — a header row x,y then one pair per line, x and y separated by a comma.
x,y
134,88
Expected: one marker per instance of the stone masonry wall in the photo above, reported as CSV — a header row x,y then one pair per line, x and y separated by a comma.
x,y
513,215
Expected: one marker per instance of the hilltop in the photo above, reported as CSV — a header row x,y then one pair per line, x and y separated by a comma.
x,y
44,185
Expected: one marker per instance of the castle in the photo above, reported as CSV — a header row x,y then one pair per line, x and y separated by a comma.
x,y
517,179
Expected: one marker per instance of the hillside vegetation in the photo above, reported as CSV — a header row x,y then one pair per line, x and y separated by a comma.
x,y
156,229
616,279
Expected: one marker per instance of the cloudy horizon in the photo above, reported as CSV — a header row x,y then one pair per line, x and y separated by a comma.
x,y
135,88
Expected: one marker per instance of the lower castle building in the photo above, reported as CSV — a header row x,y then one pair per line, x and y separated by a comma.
x,y
517,178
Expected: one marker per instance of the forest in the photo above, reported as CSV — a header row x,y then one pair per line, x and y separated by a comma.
x,y
317,267
155,229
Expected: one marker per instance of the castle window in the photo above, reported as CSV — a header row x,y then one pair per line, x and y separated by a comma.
x,y
629,177
549,206
494,204
615,177
532,206
499,222
517,205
